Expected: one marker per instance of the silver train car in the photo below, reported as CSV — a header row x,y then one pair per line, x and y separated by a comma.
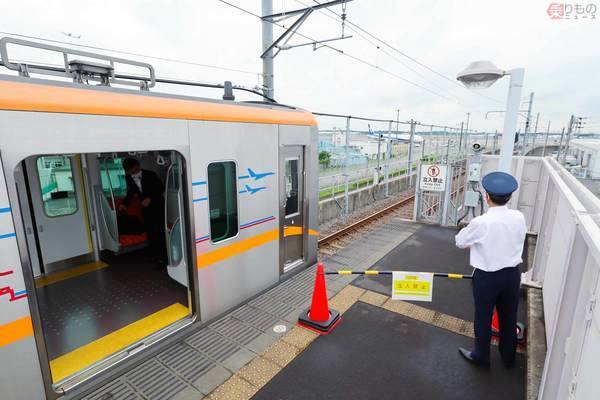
x,y
79,290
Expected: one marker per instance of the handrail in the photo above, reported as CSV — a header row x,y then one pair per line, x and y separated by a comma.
x,y
69,71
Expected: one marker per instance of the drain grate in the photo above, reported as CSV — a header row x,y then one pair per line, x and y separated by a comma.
x,y
186,361
115,390
213,344
154,381
236,330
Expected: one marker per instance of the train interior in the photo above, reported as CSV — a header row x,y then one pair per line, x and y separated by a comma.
x,y
109,263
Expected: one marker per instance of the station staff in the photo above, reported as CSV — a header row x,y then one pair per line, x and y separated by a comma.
x,y
496,241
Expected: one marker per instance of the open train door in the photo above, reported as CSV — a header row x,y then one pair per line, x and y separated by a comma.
x,y
174,226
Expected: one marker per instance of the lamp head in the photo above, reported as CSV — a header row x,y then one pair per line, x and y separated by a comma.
x,y
480,75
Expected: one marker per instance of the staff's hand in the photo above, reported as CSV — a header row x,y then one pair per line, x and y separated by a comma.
x,y
146,202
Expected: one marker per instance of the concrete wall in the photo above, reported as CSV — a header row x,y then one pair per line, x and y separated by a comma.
x,y
333,208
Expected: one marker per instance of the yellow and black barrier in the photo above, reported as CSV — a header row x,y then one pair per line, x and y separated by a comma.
x,y
375,272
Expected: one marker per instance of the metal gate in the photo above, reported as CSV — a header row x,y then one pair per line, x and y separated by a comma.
x,y
442,207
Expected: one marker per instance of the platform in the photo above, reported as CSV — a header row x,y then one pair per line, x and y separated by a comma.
x,y
381,348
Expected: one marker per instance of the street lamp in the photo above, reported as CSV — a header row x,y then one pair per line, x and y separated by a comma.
x,y
483,74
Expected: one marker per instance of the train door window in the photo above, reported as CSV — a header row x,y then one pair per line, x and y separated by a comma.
x,y
222,200
291,186
57,188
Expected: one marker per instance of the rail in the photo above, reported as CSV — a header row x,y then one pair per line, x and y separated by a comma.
x,y
364,221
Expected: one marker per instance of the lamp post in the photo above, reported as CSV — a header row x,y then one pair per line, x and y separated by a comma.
x,y
483,74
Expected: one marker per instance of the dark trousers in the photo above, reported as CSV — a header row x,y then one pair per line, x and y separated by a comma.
x,y
499,289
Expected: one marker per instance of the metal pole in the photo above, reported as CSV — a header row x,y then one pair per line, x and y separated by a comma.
x,y
527,124
517,77
562,134
495,140
535,131
487,136
397,121
447,190
267,41
410,151
346,177
460,142
568,140
379,136
546,140
387,164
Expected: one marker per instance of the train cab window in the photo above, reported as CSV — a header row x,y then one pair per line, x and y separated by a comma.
x,y
55,175
222,200
291,186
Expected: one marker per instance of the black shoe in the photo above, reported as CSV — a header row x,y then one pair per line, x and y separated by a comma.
x,y
468,355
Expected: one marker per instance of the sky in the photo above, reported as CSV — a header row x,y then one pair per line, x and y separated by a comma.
x,y
561,57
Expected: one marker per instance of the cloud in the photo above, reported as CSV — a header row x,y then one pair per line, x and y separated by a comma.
x,y
560,57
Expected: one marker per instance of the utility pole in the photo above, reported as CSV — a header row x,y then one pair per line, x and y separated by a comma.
x,y
397,121
546,140
527,123
267,41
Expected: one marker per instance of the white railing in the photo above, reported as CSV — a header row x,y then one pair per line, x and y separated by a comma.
x,y
565,215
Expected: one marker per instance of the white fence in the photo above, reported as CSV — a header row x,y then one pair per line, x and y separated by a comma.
x,y
567,263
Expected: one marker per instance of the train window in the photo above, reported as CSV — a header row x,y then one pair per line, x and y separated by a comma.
x,y
291,186
112,176
55,175
222,200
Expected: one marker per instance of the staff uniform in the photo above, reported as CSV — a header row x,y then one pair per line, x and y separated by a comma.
x,y
495,240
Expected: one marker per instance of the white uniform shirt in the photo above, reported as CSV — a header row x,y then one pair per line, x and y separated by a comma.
x,y
495,238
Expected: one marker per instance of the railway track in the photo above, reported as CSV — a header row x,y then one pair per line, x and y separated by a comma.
x,y
337,240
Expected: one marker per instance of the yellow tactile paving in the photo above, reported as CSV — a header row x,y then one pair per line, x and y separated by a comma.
x,y
259,371
235,388
281,353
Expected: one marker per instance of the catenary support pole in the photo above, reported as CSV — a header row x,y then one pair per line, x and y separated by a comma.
x,y
267,40
346,176
410,152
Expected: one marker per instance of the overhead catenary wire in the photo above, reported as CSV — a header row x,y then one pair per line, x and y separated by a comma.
x,y
174,60
404,54
344,53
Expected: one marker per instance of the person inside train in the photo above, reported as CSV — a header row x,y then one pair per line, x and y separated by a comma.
x,y
148,187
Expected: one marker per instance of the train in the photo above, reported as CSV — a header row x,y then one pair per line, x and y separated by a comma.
x,y
81,290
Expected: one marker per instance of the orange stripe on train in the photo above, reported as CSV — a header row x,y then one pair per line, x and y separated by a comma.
x,y
20,96
15,330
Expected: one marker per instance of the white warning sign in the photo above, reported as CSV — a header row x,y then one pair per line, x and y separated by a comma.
x,y
433,177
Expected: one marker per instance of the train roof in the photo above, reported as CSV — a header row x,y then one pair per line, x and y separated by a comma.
x,y
29,94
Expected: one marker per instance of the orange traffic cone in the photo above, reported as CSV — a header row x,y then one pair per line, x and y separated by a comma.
x,y
496,328
319,317
495,323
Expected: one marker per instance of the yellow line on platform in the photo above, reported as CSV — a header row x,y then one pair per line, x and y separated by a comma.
x,y
69,273
103,347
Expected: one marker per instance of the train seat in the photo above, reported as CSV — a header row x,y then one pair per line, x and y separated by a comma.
x,y
134,210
